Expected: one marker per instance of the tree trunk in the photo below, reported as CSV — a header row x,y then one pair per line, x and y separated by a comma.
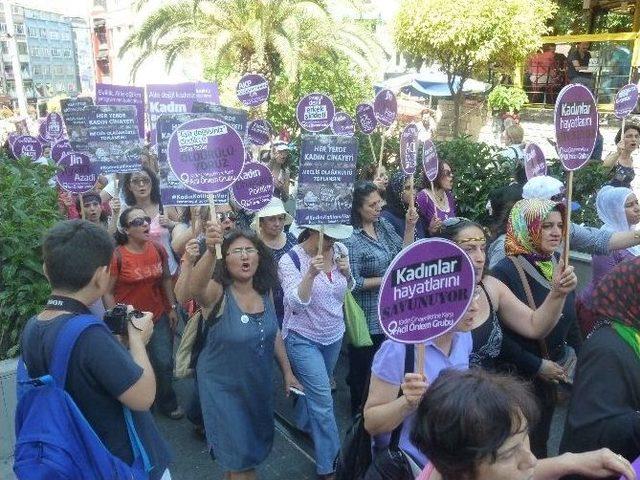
x,y
458,98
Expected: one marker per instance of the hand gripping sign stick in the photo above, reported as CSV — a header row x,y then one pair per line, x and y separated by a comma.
x,y
576,124
412,312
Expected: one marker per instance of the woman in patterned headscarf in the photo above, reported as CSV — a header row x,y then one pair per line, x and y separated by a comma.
x,y
606,394
534,232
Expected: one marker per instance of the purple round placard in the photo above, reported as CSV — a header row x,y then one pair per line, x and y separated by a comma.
x,y
59,148
342,124
576,122
252,89
26,146
254,188
430,162
206,155
315,112
535,164
425,291
385,107
51,129
409,149
259,132
366,118
77,174
626,100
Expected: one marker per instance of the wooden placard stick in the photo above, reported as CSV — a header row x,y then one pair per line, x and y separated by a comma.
x,y
214,219
567,222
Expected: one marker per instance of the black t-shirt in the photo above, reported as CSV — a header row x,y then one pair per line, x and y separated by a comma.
x,y
582,61
100,370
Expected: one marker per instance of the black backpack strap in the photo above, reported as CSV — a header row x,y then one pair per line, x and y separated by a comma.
x,y
294,258
409,359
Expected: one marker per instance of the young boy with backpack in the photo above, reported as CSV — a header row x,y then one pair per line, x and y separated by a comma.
x,y
83,399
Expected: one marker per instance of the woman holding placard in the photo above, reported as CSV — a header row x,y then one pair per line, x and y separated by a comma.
x,y
372,246
534,232
620,161
315,277
438,203
235,367
398,197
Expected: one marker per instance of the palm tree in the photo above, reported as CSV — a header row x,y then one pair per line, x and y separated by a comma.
x,y
266,36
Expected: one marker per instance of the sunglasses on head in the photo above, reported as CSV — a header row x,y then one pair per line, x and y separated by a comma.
x,y
453,221
140,221
222,216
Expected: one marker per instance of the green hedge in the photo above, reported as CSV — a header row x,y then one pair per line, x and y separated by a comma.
x,y
28,207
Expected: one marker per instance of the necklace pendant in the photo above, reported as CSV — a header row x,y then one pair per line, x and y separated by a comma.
x,y
244,319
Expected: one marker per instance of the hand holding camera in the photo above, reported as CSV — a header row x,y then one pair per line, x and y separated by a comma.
x,y
125,321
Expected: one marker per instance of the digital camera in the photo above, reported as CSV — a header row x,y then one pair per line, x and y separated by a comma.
x,y
117,318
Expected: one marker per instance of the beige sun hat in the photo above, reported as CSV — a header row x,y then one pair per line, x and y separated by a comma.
x,y
337,232
274,207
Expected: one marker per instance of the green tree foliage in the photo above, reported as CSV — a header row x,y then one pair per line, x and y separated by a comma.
x,y
28,207
465,38
271,37
570,18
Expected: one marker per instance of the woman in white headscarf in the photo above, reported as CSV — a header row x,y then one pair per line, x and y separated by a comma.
x,y
619,211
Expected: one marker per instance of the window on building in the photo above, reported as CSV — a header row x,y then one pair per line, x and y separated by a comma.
x,y
3,27
43,32
37,70
32,32
22,48
45,70
54,35
55,52
19,28
5,47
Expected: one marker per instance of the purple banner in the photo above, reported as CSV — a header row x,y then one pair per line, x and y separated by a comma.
x,y
59,148
109,134
206,155
123,95
252,90
576,122
178,98
366,118
71,108
52,129
385,107
430,162
254,188
409,149
259,132
342,124
626,100
315,112
425,291
325,182
78,174
534,162
235,117
26,146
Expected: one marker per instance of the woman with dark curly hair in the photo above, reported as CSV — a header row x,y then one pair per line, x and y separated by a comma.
x,y
398,198
235,367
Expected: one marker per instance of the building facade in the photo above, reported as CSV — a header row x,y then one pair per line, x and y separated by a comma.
x,y
7,82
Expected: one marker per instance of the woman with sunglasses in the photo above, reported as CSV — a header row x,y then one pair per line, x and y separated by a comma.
x,y
534,232
140,277
142,190
235,367
438,204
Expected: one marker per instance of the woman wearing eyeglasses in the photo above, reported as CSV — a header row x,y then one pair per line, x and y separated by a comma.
x,y
438,204
235,367
140,277
142,190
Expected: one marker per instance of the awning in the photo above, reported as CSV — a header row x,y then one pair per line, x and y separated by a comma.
x,y
432,84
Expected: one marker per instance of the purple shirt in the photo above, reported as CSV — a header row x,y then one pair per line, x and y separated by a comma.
x,y
388,366
426,207
601,265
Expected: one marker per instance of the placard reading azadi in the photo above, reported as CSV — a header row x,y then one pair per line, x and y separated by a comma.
x,y
178,98
325,184
425,291
109,134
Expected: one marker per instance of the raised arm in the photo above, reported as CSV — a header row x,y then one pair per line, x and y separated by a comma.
x,y
204,288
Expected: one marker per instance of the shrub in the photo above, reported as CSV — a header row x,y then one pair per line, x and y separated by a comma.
x,y
28,207
507,99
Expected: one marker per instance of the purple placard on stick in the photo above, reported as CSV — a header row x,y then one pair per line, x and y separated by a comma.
x,y
254,188
425,291
535,164
178,98
206,155
366,118
626,100
342,124
409,149
59,148
430,162
259,132
252,90
385,107
26,146
325,183
72,108
123,95
52,129
576,122
78,174
315,112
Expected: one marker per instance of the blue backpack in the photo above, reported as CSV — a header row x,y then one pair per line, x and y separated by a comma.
x,y
53,438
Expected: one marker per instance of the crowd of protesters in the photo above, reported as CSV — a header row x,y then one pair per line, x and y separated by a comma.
x,y
483,410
